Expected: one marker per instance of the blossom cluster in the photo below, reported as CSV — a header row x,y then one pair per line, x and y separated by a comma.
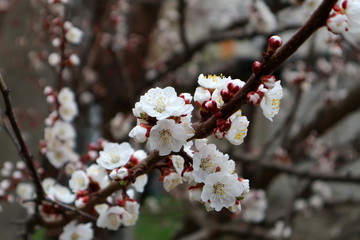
x,y
163,120
211,176
268,96
63,32
213,179
345,17
59,137
212,93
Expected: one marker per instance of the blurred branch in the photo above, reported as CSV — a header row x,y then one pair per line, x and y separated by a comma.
x,y
23,149
179,59
182,24
327,117
310,175
317,20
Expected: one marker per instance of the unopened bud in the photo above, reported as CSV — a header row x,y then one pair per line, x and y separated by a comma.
x,y
187,97
233,88
256,67
48,90
274,43
225,94
211,106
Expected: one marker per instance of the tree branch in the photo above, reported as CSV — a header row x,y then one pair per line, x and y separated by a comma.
x,y
23,149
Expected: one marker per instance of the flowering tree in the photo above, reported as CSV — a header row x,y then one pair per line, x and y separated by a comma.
x,y
123,58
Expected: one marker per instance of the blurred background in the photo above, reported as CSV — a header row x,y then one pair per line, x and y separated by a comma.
x,y
303,167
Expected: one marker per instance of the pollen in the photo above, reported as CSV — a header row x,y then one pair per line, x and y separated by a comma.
x,y
165,136
206,163
219,189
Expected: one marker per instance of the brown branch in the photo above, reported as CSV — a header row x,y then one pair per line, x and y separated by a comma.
x,y
179,59
316,21
72,209
204,129
23,149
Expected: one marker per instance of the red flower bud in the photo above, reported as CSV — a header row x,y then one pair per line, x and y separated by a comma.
x,y
226,95
274,43
256,67
233,88
211,106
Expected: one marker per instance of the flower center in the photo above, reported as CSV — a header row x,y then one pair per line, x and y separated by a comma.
x,y
115,158
75,236
206,163
160,104
165,136
219,189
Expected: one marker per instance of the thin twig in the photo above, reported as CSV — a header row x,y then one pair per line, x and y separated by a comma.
x,y
72,209
23,150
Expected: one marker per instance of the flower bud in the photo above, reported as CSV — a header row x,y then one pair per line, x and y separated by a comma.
x,y
256,67
274,43
81,202
211,106
225,94
187,97
233,88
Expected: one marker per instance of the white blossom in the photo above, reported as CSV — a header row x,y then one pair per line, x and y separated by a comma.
x,y
79,181
115,155
178,163
74,35
47,183
64,130
222,190
167,136
201,95
59,156
120,125
213,81
110,218
80,231
261,17
138,133
280,230
162,103
270,104
195,194
140,183
352,13
238,130
74,59
66,96
61,193
68,111
96,172
25,191
208,160
255,205
171,181
139,155
131,214
54,59
337,23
